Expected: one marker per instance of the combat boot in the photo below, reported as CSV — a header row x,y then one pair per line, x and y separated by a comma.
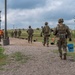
x,y
43,44
65,56
47,45
60,55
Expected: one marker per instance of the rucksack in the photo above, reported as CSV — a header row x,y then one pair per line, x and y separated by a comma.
x,y
46,29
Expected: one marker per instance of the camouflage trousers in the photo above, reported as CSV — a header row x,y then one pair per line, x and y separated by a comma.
x,y
46,40
62,44
0,38
30,38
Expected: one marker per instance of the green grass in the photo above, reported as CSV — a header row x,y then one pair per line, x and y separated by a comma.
x,y
72,54
18,56
3,57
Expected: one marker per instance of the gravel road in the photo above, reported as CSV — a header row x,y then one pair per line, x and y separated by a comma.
x,y
43,60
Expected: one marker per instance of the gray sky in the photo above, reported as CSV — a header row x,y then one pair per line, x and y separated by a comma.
x,y
22,13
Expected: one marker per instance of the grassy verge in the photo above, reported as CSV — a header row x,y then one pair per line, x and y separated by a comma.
x,y
18,56
3,58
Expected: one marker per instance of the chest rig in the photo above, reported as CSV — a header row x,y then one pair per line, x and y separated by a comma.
x,y
61,31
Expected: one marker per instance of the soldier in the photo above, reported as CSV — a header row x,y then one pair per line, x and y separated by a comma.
x,y
15,33
12,33
62,32
30,32
19,32
46,32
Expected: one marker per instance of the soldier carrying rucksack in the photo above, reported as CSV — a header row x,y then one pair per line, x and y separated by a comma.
x,y
46,32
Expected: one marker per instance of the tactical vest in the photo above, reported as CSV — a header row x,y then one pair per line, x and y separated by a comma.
x,y
30,31
61,31
46,29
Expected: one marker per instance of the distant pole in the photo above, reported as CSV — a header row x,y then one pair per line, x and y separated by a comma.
x,y
0,20
13,27
6,38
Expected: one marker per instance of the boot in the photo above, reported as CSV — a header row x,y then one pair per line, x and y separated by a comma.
x,y
65,56
43,44
47,45
60,55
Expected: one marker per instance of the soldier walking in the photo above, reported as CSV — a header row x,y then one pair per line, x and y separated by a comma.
x,y
19,33
46,32
30,32
62,32
15,33
12,33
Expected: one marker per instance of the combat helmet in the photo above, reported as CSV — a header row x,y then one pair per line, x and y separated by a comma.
x,y
46,23
29,26
60,20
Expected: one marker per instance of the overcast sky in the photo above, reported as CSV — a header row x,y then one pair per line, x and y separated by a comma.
x,y
22,13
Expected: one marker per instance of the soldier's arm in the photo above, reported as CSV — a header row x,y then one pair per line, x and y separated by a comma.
x,y
50,29
55,31
68,32
43,30
33,31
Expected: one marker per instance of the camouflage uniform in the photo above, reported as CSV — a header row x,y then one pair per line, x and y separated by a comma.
x,y
46,33
30,34
62,32
12,33
15,33
19,33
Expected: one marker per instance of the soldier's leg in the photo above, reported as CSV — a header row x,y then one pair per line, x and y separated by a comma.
x,y
28,38
59,44
65,49
31,38
44,40
47,40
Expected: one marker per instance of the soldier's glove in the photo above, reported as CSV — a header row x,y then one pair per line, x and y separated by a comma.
x,y
70,39
41,35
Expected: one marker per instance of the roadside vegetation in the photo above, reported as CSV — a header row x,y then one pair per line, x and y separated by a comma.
x,y
8,59
3,58
20,57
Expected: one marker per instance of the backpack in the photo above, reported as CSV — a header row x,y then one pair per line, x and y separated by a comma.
x,y
46,29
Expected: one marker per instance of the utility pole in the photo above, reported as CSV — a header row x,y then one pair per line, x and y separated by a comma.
x,y
6,38
0,20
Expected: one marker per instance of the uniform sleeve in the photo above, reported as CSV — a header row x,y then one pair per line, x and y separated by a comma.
x,y
43,30
55,31
68,32
33,31
50,29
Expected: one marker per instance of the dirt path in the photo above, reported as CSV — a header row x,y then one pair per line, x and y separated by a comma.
x,y
43,60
